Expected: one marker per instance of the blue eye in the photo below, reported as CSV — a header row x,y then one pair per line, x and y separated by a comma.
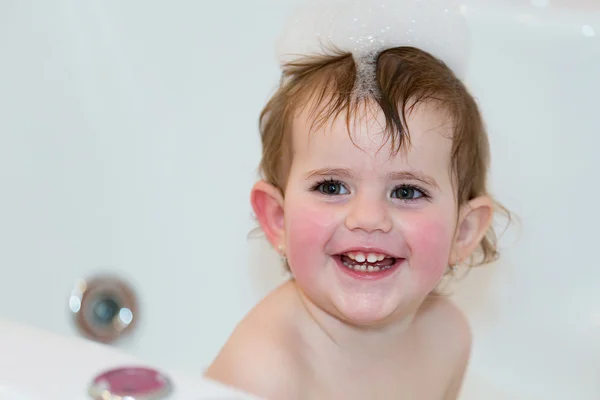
x,y
331,188
406,192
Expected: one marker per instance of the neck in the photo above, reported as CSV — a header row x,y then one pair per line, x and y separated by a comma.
x,y
327,333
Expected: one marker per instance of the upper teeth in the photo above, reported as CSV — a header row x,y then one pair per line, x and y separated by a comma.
x,y
361,257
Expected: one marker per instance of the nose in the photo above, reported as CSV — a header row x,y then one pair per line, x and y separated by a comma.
x,y
369,215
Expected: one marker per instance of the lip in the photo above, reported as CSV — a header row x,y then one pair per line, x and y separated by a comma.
x,y
369,276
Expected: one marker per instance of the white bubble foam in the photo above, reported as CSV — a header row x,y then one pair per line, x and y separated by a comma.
x,y
366,27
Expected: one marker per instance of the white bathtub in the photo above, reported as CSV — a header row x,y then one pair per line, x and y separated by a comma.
x,y
40,365
118,122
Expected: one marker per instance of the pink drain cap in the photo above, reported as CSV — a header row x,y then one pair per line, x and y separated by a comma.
x,y
137,383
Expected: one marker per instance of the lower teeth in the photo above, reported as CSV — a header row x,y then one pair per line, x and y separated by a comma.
x,y
366,268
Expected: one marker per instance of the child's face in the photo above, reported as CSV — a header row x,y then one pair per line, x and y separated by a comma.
x,y
344,200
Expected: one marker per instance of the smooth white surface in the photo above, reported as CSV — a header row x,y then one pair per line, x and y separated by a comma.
x,y
129,143
38,365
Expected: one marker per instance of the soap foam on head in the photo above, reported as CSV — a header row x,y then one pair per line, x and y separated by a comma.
x,y
365,28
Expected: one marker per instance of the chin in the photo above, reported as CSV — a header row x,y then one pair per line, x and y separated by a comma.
x,y
359,298
371,309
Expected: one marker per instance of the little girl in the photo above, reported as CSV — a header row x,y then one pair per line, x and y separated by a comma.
x,y
374,189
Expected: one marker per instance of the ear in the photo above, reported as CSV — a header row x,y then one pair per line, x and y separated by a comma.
x,y
474,220
267,203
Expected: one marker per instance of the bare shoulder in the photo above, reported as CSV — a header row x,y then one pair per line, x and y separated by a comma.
x,y
258,358
450,337
439,316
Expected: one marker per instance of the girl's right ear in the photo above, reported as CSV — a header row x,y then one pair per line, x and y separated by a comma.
x,y
267,203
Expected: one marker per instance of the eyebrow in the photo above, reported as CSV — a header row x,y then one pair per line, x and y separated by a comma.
x,y
401,175
340,172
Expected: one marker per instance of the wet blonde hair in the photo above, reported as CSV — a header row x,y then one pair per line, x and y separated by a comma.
x,y
406,77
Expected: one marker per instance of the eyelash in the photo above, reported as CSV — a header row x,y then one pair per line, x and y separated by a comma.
x,y
320,183
424,193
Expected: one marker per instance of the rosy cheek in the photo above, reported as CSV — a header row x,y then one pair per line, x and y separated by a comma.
x,y
308,228
429,238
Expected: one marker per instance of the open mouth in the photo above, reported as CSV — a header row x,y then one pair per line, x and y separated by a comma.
x,y
367,262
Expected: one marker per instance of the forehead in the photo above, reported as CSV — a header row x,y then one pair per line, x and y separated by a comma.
x,y
364,143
